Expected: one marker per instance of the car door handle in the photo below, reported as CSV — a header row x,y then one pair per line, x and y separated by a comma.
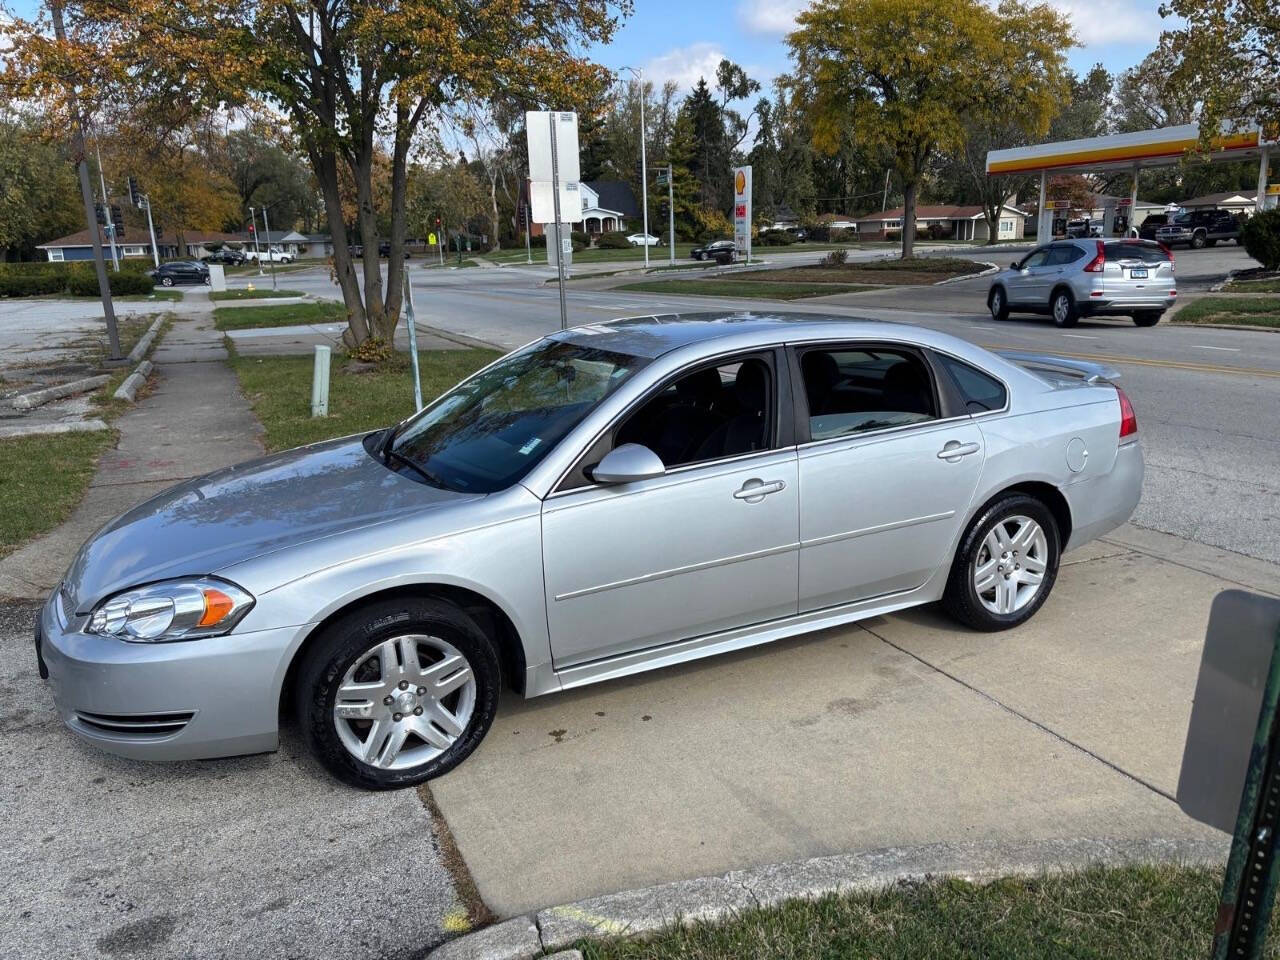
x,y
755,489
954,450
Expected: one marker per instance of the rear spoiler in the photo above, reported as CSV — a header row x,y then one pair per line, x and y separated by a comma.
x,y
1086,370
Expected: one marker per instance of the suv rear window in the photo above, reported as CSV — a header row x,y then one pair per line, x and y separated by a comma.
x,y
1128,250
981,391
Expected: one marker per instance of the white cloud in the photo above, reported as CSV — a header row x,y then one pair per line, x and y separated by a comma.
x,y
1117,22
685,65
771,17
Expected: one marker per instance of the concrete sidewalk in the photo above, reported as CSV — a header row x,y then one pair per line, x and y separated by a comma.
x,y
902,730
194,421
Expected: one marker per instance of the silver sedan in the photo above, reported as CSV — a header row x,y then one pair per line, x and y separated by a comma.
x,y
615,498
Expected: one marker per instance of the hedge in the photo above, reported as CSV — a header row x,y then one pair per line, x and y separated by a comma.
x,y
78,278
613,241
1261,238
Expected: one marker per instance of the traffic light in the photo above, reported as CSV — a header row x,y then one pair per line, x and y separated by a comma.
x,y
252,230
664,209
117,221
135,195
100,213
437,221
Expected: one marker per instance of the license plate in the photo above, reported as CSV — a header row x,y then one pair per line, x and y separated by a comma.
x,y
1138,273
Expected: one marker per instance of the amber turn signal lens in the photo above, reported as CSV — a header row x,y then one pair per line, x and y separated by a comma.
x,y
216,606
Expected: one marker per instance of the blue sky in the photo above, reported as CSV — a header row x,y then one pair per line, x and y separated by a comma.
x,y
683,39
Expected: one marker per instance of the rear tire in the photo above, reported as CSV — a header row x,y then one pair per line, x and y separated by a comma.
x,y
1063,307
962,599
1148,318
1198,241
998,304
352,643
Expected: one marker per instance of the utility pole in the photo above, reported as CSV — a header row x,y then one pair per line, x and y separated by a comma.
x,y
253,229
671,213
155,251
106,205
86,192
266,228
884,204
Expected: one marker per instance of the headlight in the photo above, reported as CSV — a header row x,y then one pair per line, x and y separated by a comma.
x,y
172,610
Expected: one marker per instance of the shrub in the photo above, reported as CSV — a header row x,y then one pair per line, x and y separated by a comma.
x,y
539,241
84,283
777,238
836,258
579,237
578,246
938,231
1261,238
841,235
31,284
893,236
613,241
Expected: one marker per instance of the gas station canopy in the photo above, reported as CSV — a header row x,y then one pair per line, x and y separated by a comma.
x,y
1130,152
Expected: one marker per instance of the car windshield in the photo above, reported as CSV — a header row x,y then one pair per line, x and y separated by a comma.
x,y
489,431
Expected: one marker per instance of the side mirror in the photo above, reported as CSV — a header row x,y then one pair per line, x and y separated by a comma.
x,y
627,464
1016,265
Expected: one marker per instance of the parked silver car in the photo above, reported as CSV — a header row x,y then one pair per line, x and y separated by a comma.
x,y
614,498
1070,279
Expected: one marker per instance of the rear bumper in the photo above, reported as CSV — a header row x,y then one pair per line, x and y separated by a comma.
x,y
1104,304
214,697
1103,503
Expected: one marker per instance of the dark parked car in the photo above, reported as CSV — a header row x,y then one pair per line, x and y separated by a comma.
x,y
225,255
1147,231
1200,228
721,251
384,249
180,271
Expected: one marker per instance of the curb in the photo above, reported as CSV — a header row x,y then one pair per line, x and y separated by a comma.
x,y
714,899
128,390
991,268
144,343
29,401
37,429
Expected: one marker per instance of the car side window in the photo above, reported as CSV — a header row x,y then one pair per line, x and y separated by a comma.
x,y
713,412
981,391
1036,258
852,390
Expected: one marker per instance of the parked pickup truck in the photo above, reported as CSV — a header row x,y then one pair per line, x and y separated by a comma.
x,y
1200,228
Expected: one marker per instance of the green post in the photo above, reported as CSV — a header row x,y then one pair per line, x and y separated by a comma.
x,y
1249,887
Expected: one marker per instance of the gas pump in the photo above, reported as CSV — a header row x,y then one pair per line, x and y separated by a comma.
x,y
1061,210
1115,219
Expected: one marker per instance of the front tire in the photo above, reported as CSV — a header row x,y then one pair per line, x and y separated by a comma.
x,y
1063,308
998,304
398,692
166,281
1148,318
1005,566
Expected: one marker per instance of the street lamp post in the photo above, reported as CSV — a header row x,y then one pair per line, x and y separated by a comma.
x,y
644,165
266,227
253,228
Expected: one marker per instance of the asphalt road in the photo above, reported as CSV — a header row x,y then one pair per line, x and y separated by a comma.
x,y
1208,400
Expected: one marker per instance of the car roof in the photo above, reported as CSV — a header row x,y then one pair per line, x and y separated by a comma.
x,y
657,334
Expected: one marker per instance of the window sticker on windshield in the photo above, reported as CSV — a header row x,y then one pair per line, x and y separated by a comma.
x,y
529,447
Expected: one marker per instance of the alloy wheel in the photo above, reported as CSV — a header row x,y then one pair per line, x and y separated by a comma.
x,y
1009,568
1061,309
404,701
997,301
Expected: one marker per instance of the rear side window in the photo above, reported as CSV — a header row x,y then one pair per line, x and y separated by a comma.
x,y
1067,253
982,392
850,390
1146,252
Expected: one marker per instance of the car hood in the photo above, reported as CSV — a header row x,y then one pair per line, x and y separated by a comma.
x,y
254,508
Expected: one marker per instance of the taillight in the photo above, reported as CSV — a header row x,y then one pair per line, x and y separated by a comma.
x,y
1128,419
1168,251
1099,262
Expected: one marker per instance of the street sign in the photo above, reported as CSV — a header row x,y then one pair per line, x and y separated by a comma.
x,y
1060,204
742,210
663,177
431,239
1124,202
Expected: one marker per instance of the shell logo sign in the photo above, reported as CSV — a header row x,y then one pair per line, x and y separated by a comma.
x,y
740,183
742,211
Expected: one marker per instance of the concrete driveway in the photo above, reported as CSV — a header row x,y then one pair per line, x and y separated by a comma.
x,y
902,730
264,856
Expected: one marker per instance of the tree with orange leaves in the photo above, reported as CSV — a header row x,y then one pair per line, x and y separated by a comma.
x,y
351,79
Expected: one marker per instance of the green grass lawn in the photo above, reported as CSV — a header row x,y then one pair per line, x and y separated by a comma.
x,y
282,315
247,268
279,390
258,293
1254,312
895,272
42,478
1253,286
749,289
1134,913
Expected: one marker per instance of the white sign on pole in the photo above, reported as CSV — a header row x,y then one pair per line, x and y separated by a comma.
x,y
537,125
742,211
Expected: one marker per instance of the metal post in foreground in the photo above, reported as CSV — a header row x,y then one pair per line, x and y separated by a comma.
x,y
106,205
528,243
412,326
644,172
555,199
320,383
266,228
253,229
671,214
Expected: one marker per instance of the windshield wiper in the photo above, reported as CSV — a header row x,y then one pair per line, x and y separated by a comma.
x,y
416,467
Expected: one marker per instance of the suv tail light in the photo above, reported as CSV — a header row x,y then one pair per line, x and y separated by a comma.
x,y
1168,252
1099,262
1128,419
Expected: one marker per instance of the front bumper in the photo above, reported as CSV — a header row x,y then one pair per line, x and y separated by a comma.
x,y
214,697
